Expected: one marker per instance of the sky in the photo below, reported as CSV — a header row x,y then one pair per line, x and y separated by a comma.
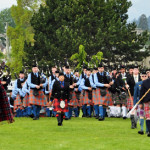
x,y
138,8
6,3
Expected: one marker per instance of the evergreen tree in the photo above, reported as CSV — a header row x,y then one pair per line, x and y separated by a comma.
x,y
148,22
143,23
100,25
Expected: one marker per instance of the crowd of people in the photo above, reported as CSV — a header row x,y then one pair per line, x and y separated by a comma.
x,y
95,92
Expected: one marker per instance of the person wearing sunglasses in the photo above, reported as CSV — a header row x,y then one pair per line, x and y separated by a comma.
x,y
140,109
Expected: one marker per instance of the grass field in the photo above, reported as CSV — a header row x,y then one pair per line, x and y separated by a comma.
x,y
75,134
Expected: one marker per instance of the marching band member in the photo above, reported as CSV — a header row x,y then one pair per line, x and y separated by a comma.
x,y
36,82
5,110
60,97
19,95
102,94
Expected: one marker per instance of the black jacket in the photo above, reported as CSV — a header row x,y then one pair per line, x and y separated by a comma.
x,y
118,85
144,88
60,93
131,83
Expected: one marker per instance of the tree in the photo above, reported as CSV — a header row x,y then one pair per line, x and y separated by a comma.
x,y
62,25
1,55
21,33
80,57
96,59
148,22
5,16
143,23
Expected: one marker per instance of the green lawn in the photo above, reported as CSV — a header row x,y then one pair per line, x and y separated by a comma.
x,y
75,134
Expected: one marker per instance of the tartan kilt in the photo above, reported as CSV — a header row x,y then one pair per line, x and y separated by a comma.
x,y
84,99
117,99
74,101
37,100
26,101
80,100
140,111
147,110
17,102
101,100
129,103
94,95
5,110
56,105
110,101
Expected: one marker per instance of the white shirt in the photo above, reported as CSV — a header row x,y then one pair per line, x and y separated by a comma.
x,y
136,78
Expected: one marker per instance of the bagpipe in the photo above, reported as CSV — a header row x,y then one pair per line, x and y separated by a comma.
x,y
5,75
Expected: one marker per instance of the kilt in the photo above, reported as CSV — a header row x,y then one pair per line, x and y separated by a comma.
x,y
17,102
37,100
93,95
74,101
56,105
115,98
147,110
26,101
118,100
84,99
129,103
80,100
5,110
109,102
101,100
140,111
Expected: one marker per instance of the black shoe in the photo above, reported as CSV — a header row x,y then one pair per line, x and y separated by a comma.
x,y
31,116
35,118
140,132
124,117
83,116
101,119
148,134
59,124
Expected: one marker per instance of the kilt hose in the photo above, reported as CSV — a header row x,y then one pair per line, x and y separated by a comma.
x,y
147,109
26,101
17,102
56,105
101,100
84,99
74,101
39,100
129,103
5,110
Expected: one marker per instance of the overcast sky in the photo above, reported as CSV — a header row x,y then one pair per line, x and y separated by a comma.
x,y
138,8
